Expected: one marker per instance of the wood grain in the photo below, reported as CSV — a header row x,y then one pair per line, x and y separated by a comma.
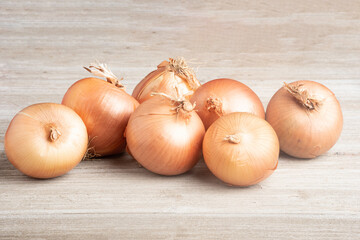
x,y
44,44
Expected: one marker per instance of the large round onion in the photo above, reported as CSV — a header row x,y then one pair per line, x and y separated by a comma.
x,y
173,77
105,108
165,136
241,149
306,117
222,96
46,140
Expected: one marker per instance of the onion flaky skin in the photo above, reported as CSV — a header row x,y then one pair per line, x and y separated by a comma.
x,y
307,118
173,77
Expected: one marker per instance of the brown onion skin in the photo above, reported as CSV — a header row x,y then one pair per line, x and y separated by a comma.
x,y
163,80
28,145
305,133
164,142
248,162
137,92
235,96
105,110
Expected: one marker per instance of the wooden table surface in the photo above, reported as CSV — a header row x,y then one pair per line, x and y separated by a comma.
x,y
43,46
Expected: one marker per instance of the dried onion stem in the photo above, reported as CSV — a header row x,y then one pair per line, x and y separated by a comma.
x,y
232,138
102,70
181,104
54,134
303,96
215,104
180,66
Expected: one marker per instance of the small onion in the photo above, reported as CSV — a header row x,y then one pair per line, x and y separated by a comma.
x,y
241,149
46,140
165,135
105,108
306,117
172,77
222,96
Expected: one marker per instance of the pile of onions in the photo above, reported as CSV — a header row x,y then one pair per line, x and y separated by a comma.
x,y
241,149
165,135
46,140
171,77
222,96
105,108
306,117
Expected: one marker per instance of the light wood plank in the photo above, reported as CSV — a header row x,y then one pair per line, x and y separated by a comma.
x,y
44,44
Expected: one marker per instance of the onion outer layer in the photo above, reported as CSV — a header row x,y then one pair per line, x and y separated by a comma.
x,y
46,140
241,149
105,108
173,77
165,136
307,118
222,96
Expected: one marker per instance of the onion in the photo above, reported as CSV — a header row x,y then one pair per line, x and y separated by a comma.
x,y
46,140
165,135
306,117
241,149
170,76
105,108
222,96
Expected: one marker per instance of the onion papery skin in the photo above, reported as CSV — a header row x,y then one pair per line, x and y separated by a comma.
x,y
105,110
233,96
163,141
305,133
252,159
30,149
166,79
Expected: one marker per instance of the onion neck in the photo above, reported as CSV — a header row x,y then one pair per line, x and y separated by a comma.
x,y
180,67
102,70
54,134
234,138
214,104
303,96
181,105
